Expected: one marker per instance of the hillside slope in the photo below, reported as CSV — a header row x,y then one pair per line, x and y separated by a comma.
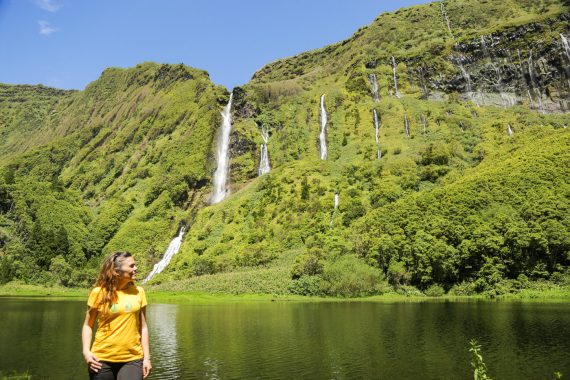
x,y
445,164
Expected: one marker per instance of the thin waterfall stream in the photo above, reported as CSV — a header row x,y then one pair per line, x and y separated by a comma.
x,y
323,134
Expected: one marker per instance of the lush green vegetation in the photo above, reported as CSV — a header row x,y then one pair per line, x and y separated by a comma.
x,y
132,155
456,206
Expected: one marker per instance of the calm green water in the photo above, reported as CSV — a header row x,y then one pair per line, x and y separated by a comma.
x,y
426,340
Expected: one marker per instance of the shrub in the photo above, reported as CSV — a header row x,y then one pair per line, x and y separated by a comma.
x,y
309,263
409,291
203,265
348,276
306,286
463,289
435,291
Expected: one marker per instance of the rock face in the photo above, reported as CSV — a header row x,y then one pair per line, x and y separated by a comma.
x,y
526,64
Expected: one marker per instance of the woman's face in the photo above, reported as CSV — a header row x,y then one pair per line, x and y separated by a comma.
x,y
128,269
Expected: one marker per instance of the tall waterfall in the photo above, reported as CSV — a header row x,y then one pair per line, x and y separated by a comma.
x,y
323,134
374,82
566,46
376,124
406,125
172,250
264,166
446,18
396,92
223,156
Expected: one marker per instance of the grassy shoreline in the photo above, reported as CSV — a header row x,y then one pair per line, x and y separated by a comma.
x,y
14,289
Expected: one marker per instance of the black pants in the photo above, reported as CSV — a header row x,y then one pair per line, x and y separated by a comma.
x,y
119,371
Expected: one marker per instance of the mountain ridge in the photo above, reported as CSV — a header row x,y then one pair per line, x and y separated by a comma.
x,y
127,162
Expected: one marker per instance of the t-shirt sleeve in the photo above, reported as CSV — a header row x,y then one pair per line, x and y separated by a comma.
x,y
142,297
94,298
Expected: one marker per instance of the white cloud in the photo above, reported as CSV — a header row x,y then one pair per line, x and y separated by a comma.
x,y
48,5
46,29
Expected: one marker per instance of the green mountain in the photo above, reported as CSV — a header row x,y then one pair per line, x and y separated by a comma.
x,y
446,165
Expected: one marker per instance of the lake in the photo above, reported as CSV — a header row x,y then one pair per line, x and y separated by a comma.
x,y
304,340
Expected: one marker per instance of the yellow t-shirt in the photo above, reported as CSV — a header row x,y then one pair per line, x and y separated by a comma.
x,y
118,337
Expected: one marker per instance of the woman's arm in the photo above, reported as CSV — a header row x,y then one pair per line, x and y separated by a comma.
x,y
145,344
86,335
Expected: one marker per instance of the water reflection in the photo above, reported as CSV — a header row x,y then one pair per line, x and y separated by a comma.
x,y
164,348
304,340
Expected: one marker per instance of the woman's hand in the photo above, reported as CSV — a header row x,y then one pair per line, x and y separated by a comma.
x,y
92,361
146,368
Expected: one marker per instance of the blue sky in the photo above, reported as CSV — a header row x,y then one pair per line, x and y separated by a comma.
x,y
68,43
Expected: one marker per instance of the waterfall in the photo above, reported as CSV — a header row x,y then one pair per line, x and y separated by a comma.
x,y
172,250
323,134
566,46
264,166
336,201
223,156
534,83
493,64
444,14
520,62
374,82
396,93
484,46
510,131
466,77
406,125
376,132
376,124
507,100
532,75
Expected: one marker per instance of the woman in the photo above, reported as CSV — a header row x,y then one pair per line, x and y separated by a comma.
x,y
121,347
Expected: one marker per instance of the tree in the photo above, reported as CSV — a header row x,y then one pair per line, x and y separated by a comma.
x,y
61,270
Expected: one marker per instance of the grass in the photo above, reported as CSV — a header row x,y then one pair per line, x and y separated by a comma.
x,y
157,294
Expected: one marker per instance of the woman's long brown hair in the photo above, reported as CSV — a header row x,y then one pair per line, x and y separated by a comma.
x,y
109,277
